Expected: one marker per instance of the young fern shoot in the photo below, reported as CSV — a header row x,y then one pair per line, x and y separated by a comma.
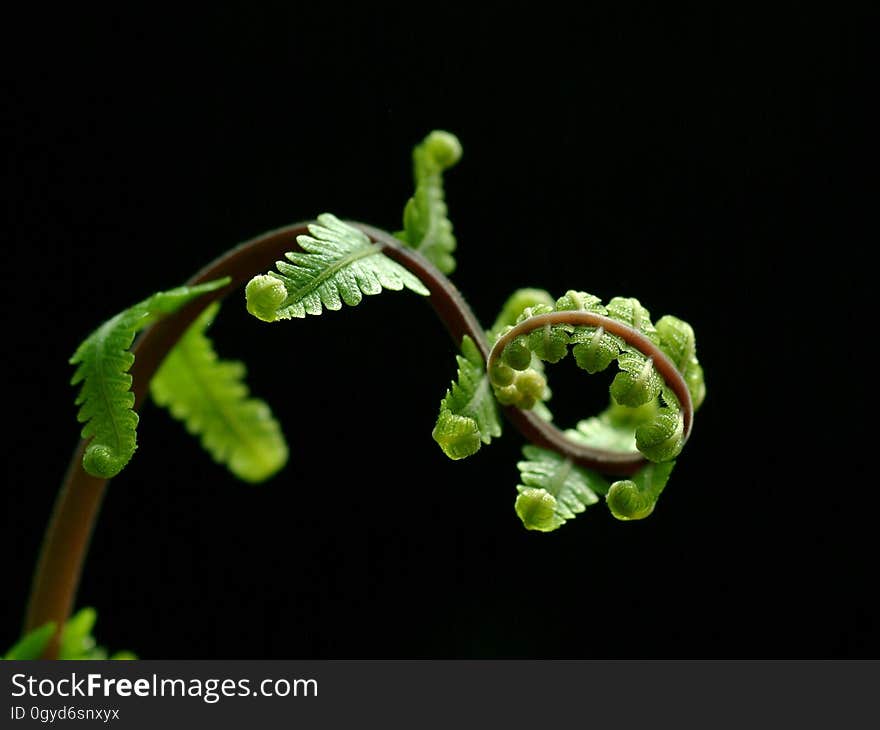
x,y
503,370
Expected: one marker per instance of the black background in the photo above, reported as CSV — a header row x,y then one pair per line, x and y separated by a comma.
x,y
702,161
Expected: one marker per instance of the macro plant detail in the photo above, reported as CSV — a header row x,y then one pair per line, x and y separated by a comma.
x,y
623,456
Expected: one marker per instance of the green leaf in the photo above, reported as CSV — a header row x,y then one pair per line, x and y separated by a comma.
x,y
678,341
613,429
638,382
338,264
210,397
553,489
105,398
594,349
631,312
32,644
548,343
663,438
76,640
426,227
635,499
468,414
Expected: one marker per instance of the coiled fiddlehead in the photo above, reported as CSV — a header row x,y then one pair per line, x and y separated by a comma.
x,y
330,262
648,377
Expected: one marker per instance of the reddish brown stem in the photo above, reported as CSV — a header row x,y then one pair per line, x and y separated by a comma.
x,y
66,541
67,536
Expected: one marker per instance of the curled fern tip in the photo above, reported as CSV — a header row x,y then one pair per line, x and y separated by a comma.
x,y
443,148
264,295
537,510
101,462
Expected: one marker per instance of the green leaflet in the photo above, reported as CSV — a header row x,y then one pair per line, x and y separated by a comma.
x,y
468,414
635,499
32,644
661,437
677,340
637,382
630,311
594,349
655,431
550,342
426,227
614,428
103,360
338,264
211,398
554,489
76,642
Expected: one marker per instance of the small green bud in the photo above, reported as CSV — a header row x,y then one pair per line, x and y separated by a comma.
x,y
458,436
501,374
443,148
508,395
517,355
265,295
531,383
627,502
537,509
100,461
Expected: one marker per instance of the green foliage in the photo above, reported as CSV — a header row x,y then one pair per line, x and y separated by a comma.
x,y
211,398
594,349
338,264
637,382
426,227
677,340
33,644
635,499
515,305
661,438
468,414
76,642
105,398
614,429
553,489
630,311
550,342
518,377
644,413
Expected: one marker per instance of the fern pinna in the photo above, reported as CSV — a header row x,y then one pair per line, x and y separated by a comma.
x,y
622,456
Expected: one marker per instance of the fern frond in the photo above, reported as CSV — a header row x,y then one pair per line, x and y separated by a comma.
x,y
103,360
338,264
426,227
635,499
210,397
553,489
468,414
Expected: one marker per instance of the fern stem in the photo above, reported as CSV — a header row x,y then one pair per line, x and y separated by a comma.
x,y
75,512
65,544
